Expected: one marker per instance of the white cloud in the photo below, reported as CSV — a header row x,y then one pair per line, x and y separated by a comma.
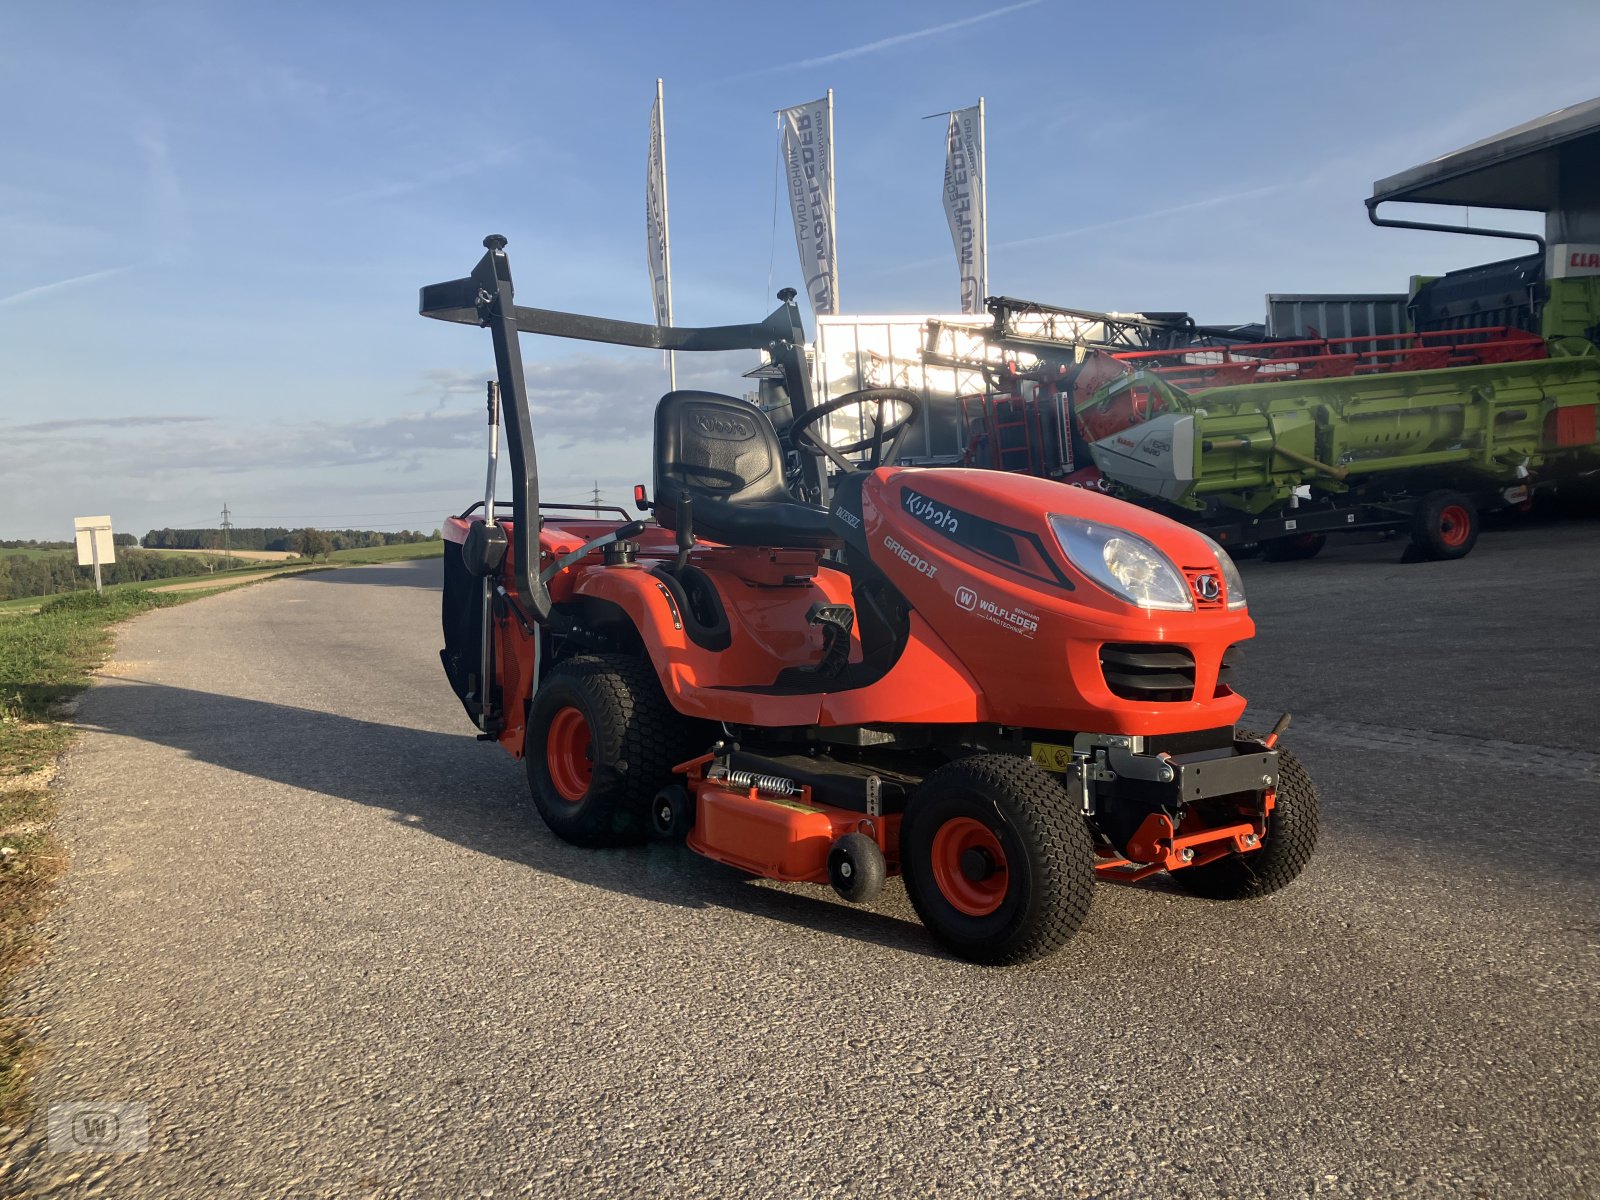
x,y
899,39
76,280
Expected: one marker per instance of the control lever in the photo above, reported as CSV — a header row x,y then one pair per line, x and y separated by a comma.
x,y
1278,730
685,530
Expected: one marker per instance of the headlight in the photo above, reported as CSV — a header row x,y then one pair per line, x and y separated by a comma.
x,y
1126,565
1230,575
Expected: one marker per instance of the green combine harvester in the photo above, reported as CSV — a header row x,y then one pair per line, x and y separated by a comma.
x,y
1492,393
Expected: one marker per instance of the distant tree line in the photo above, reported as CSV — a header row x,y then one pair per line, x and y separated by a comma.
x,y
117,539
24,575
33,544
279,539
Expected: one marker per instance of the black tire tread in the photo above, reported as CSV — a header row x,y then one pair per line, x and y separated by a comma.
x,y
1290,841
651,737
1044,819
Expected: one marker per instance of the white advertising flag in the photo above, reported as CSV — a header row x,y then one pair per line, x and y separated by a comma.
x,y
658,245
807,144
964,204
655,217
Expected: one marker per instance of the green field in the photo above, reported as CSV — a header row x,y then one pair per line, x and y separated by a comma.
x,y
383,554
249,574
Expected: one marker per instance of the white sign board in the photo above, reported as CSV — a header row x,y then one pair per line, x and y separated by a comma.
x,y
94,541
1570,260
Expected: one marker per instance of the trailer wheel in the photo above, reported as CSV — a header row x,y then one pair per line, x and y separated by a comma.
x,y
601,741
1290,840
1444,525
997,864
1294,548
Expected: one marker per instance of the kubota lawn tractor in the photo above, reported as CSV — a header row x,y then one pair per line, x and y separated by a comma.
x,y
1000,687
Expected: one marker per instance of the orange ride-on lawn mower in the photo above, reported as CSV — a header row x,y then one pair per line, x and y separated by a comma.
x,y
999,687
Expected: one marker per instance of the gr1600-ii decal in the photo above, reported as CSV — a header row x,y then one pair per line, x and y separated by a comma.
x,y
1020,549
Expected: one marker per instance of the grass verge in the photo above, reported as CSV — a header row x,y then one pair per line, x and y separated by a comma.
x,y
387,554
45,661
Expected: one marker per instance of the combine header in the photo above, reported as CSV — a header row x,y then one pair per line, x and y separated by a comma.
x,y
1279,442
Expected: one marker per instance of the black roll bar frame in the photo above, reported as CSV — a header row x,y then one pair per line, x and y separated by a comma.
x,y
486,298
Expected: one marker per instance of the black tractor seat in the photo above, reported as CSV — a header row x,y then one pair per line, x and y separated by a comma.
x,y
725,454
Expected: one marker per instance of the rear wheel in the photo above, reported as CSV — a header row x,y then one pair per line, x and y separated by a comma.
x,y
1290,839
1294,548
1444,525
601,741
996,862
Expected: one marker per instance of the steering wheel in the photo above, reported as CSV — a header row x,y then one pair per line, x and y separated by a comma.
x,y
802,437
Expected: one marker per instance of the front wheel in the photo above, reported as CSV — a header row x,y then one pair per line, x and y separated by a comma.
x,y
1285,850
997,863
601,742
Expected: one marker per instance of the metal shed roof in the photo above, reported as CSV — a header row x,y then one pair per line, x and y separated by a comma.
x,y
1514,169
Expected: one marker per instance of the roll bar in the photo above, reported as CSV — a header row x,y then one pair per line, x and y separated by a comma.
x,y
486,299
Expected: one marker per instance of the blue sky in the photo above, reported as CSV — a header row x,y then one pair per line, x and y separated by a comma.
x,y
214,217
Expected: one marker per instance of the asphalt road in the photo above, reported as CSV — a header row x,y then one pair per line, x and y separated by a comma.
x,y
310,925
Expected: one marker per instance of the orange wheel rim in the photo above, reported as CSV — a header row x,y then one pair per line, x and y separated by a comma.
x,y
969,866
569,754
1454,523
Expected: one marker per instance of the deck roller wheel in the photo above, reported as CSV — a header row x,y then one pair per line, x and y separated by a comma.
x,y
856,868
671,813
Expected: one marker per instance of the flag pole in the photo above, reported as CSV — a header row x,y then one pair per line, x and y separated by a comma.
x,y
833,209
666,236
983,188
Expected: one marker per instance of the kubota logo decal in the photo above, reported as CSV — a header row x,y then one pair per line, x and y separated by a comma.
x,y
940,516
724,426
1207,587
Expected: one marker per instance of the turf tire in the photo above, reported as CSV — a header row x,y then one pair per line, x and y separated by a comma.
x,y
1290,840
1048,849
636,738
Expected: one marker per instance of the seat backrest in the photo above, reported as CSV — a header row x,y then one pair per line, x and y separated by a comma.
x,y
718,447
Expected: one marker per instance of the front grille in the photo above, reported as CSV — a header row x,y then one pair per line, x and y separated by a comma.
x,y
1147,671
1192,576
